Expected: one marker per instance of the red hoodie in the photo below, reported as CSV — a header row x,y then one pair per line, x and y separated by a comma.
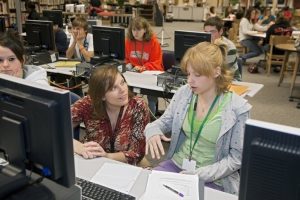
x,y
142,53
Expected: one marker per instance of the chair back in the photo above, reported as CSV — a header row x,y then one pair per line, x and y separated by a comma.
x,y
275,58
168,59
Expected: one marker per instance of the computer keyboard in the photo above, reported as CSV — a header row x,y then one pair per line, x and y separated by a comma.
x,y
92,190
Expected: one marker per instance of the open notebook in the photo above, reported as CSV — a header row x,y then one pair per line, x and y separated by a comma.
x,y
172,186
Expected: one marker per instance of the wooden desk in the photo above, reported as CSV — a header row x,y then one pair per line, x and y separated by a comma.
x,y
289,48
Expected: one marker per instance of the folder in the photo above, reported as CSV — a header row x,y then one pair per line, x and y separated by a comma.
x,y
238,89
66,63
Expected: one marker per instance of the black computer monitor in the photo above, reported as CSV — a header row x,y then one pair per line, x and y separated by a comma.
x,y
40,34
2,24
271,162
56,16
183,40
36,129
109,41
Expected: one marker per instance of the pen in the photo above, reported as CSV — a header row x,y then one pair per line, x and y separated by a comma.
x,y
173,190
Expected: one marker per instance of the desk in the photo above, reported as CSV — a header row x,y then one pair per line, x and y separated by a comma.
x,y
289,48
146,83
86,169
149,81
257,34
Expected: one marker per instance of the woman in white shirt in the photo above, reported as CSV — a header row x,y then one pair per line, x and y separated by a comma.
x,y
12,59
247,24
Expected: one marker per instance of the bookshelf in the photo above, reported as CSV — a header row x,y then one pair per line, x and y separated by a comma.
x,y
8,9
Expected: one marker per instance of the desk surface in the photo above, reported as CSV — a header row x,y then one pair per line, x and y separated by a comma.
x,y
86,169
148,80
257,34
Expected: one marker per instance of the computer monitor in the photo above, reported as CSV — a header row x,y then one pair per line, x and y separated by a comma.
x,y
2,24
36,129
40,34
109,41
183,40
271,162
56,16
91,23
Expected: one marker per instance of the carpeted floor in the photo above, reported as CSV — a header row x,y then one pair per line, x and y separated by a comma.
x,y
271,103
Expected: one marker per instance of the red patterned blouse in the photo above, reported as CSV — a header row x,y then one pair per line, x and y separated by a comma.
x,y
128,136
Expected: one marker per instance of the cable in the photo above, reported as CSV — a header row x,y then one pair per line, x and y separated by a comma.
x,y
66,88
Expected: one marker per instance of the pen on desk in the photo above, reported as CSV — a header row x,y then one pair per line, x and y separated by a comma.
x,y
173,190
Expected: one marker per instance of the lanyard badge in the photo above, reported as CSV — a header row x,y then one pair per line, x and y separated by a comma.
x,y
189,164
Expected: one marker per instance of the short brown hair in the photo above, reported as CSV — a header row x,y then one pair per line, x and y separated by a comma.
x,y
139,23
204,58
80,22
214,21
102,80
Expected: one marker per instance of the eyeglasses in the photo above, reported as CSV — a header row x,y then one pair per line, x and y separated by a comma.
x,y
211,31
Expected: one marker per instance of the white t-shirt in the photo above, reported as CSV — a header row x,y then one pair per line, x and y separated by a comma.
x,y
35,74
88,45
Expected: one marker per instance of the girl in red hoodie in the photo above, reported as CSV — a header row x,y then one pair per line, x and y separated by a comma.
x,y
142,49
143,52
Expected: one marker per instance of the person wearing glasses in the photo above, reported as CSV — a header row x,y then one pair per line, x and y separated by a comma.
x,y
214,25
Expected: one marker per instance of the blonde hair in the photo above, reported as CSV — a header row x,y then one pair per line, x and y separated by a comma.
x,y
204,58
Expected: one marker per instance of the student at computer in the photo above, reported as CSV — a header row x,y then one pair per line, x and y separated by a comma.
x,y
205,120
113,117
143,51
214,25
32,13
81,43
12,59
61,40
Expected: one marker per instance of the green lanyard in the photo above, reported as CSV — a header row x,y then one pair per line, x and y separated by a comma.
x,y
202,125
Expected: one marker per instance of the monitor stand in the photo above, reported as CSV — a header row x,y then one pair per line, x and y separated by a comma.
x,y
100,60
46,190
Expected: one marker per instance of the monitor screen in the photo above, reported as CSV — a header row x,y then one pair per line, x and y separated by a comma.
x,y
56,16
40,34
183,40
109,41
271,162
91,23
2,24
36,129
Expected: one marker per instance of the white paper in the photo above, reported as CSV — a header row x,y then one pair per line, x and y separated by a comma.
x,y
117,176
183,183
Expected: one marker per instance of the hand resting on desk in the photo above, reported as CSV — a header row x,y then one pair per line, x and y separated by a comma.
x,y
89,150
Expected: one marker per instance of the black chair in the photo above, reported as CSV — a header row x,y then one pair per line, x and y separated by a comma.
x,y
168,59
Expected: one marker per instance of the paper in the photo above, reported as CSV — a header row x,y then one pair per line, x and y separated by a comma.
x,y
116,176
66,63
185,184
238,89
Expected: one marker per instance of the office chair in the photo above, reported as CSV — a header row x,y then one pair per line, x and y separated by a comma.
x,y
168,59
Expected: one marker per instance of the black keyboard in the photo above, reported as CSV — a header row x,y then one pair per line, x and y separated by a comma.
x,y
92,190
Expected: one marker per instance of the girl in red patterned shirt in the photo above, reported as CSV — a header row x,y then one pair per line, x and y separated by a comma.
x,y
113,117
